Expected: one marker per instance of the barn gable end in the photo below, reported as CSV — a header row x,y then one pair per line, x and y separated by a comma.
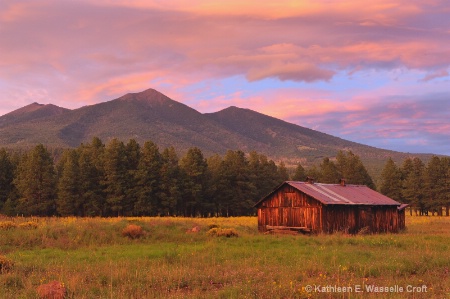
x,y
286,206
328,208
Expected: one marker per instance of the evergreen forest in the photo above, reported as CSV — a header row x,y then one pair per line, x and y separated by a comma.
x,y
130,179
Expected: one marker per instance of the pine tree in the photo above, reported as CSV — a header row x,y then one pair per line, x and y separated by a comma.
x,y
133,152
313,172
212,191
36,183
133,155
115,176
328,172
169,183
69,201
283,172
351,168
194,167
341,164
435,185
391,177
148,180
264,174
92,177
406,169
6,182
299,174
269,177
446,183
237,190
413,184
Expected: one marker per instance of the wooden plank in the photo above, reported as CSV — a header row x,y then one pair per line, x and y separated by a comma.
x,y
297,229
285,227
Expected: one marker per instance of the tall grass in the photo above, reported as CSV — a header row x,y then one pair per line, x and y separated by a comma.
x,y
94,260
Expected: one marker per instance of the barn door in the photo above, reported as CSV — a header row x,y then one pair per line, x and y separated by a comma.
x,y
285,217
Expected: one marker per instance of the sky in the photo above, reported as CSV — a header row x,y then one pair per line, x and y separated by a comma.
x,y
372,72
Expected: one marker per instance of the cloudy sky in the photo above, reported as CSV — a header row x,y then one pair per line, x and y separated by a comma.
x,y
375,72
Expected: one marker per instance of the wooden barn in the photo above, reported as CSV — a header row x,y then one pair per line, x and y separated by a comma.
x,y
327,208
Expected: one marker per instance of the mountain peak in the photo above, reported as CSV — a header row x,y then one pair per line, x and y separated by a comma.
x,y
31,112
150,96
26,109
237,112
232,108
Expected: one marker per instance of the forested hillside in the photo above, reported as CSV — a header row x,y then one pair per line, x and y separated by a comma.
x,y
129,179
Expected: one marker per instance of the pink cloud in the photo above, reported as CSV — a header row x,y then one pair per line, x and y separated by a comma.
x,y
380,9
307,72
283,103
435,75
15,11
171,35
81,52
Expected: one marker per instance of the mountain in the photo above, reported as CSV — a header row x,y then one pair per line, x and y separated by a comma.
x,y
292,143
31,112
281,138
150,115
147,115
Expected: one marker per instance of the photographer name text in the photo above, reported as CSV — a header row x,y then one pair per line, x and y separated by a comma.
x,y
369,288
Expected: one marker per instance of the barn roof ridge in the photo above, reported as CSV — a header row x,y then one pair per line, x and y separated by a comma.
x,y
326,184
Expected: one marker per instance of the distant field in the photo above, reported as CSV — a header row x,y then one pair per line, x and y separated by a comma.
x,y
170,260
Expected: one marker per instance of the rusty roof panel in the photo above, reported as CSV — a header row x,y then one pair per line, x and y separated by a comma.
x,y
336,194
403,206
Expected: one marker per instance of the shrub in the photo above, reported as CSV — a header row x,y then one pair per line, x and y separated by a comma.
x,y
5,225
13,282
213,225
195,229
133,231
28,225
5,264
52,290
222,232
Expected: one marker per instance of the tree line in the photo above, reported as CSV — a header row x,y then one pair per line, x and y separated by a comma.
x,y
346,166
425,187
119,179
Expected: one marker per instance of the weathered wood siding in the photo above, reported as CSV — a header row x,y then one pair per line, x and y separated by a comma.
x,y
289,207
401,219
353,219
385,219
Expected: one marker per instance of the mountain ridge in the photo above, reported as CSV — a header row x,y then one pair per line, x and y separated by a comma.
x,y
31,112
151,115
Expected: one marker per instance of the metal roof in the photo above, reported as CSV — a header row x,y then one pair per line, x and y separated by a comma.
x,y
403,206
336,194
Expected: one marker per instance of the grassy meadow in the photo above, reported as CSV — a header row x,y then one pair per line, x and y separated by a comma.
x,y
178,258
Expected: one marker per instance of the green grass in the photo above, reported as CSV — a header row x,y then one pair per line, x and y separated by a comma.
x,y
93,260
